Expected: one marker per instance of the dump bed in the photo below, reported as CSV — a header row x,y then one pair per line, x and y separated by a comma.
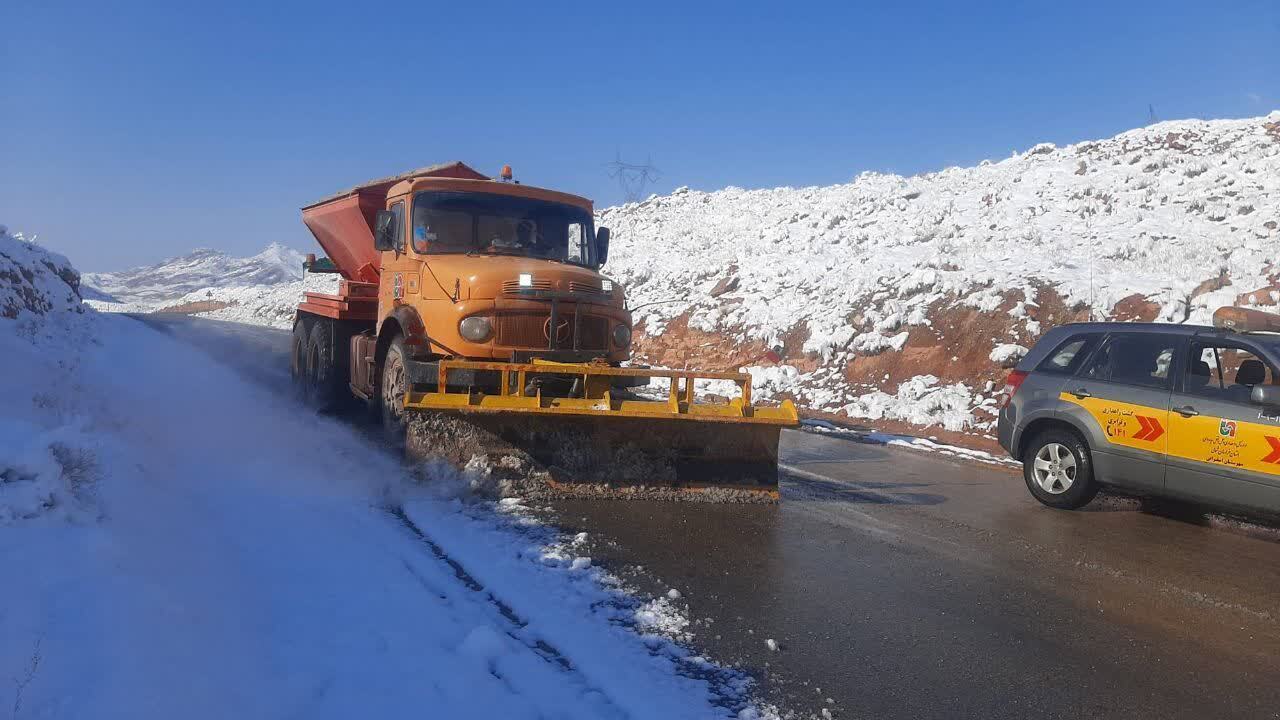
x,y
343,222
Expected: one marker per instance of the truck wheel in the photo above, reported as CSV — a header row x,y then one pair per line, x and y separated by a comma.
x,y
1059,470
298,356
391,392
323,385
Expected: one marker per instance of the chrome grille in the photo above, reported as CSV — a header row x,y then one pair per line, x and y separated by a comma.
x,y
578,287
530,330
512,287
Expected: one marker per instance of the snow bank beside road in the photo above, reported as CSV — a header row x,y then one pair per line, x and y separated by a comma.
x,y
33,280
207,548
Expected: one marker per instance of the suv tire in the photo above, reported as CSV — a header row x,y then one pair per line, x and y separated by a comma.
x,y
1058,470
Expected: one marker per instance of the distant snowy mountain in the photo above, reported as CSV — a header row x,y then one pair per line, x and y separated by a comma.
x,y
198,270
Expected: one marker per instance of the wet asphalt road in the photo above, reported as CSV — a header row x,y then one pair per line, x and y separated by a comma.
x,y
901,584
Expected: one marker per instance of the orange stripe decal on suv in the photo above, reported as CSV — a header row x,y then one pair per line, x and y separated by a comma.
x,y
1150,430
1135,426
1274,442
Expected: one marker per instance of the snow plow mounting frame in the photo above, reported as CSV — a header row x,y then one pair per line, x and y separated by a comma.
x,y
596,394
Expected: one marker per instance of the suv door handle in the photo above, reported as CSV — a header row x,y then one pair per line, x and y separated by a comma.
x,y
1186,411
1081,393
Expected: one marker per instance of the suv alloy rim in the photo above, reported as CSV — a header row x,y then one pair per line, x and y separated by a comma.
x,y
1054,468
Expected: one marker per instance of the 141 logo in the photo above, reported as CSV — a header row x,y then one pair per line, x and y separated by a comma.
x,y
1227,428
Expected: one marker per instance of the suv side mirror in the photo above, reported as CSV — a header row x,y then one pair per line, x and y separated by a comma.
x,y
384,233
1268,395
602,244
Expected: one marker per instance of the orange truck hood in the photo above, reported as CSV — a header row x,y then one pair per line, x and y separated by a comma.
x,y
481,277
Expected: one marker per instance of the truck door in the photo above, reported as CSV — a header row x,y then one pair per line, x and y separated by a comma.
x,y
395,265
1222,447
1121,395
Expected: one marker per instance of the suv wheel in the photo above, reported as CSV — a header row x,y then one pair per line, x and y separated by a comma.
x,y
1059,470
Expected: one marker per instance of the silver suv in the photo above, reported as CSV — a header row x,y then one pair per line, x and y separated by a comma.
x,y
1191,412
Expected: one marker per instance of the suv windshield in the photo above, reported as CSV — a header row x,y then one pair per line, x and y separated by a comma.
x,y
482,223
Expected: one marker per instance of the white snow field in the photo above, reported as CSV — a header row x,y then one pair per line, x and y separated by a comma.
x,y
1183,214
177,541
1154,211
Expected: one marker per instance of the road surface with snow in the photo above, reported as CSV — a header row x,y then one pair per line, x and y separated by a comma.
x,y
179,538
892,582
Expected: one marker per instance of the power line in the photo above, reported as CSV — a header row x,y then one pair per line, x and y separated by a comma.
x,y
633,178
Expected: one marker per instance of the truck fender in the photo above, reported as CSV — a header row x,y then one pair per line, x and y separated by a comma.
x,y
403,322
410,326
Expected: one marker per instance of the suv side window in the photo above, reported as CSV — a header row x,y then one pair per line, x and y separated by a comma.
x,y
1142,359
1224,371
1070,353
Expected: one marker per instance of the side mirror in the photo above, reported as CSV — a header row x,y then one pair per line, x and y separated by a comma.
x,y
1268,395
602,244
384,231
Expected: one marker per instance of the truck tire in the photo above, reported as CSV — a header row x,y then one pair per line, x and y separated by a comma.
x,y
326,385
1058,470
393,384
298,355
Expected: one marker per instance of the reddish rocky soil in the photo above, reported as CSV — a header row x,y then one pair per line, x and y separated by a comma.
x,y
956,347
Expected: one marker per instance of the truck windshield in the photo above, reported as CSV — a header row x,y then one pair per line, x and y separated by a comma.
x,y
483,223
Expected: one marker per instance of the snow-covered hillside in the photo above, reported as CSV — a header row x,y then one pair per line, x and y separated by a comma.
x,y
200,269
269,305
899,297
34,281
168,552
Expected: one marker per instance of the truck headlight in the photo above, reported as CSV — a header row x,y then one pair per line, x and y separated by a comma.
x,y
476,329
622,336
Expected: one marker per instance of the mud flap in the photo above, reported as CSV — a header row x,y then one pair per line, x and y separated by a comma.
x,y
612,457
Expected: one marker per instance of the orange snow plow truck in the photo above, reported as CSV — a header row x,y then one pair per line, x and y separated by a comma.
x,y
473,318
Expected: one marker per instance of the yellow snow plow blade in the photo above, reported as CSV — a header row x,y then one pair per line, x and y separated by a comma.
x,y
595,441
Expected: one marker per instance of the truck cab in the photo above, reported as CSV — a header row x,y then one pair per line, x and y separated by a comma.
x,y
445,263
483,269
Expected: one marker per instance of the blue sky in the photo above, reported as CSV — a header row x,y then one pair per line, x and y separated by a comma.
x,y
135,131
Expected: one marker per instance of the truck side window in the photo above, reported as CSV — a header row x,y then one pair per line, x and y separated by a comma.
x,y
578,250
1142,359
1069,354
397,210
437,230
